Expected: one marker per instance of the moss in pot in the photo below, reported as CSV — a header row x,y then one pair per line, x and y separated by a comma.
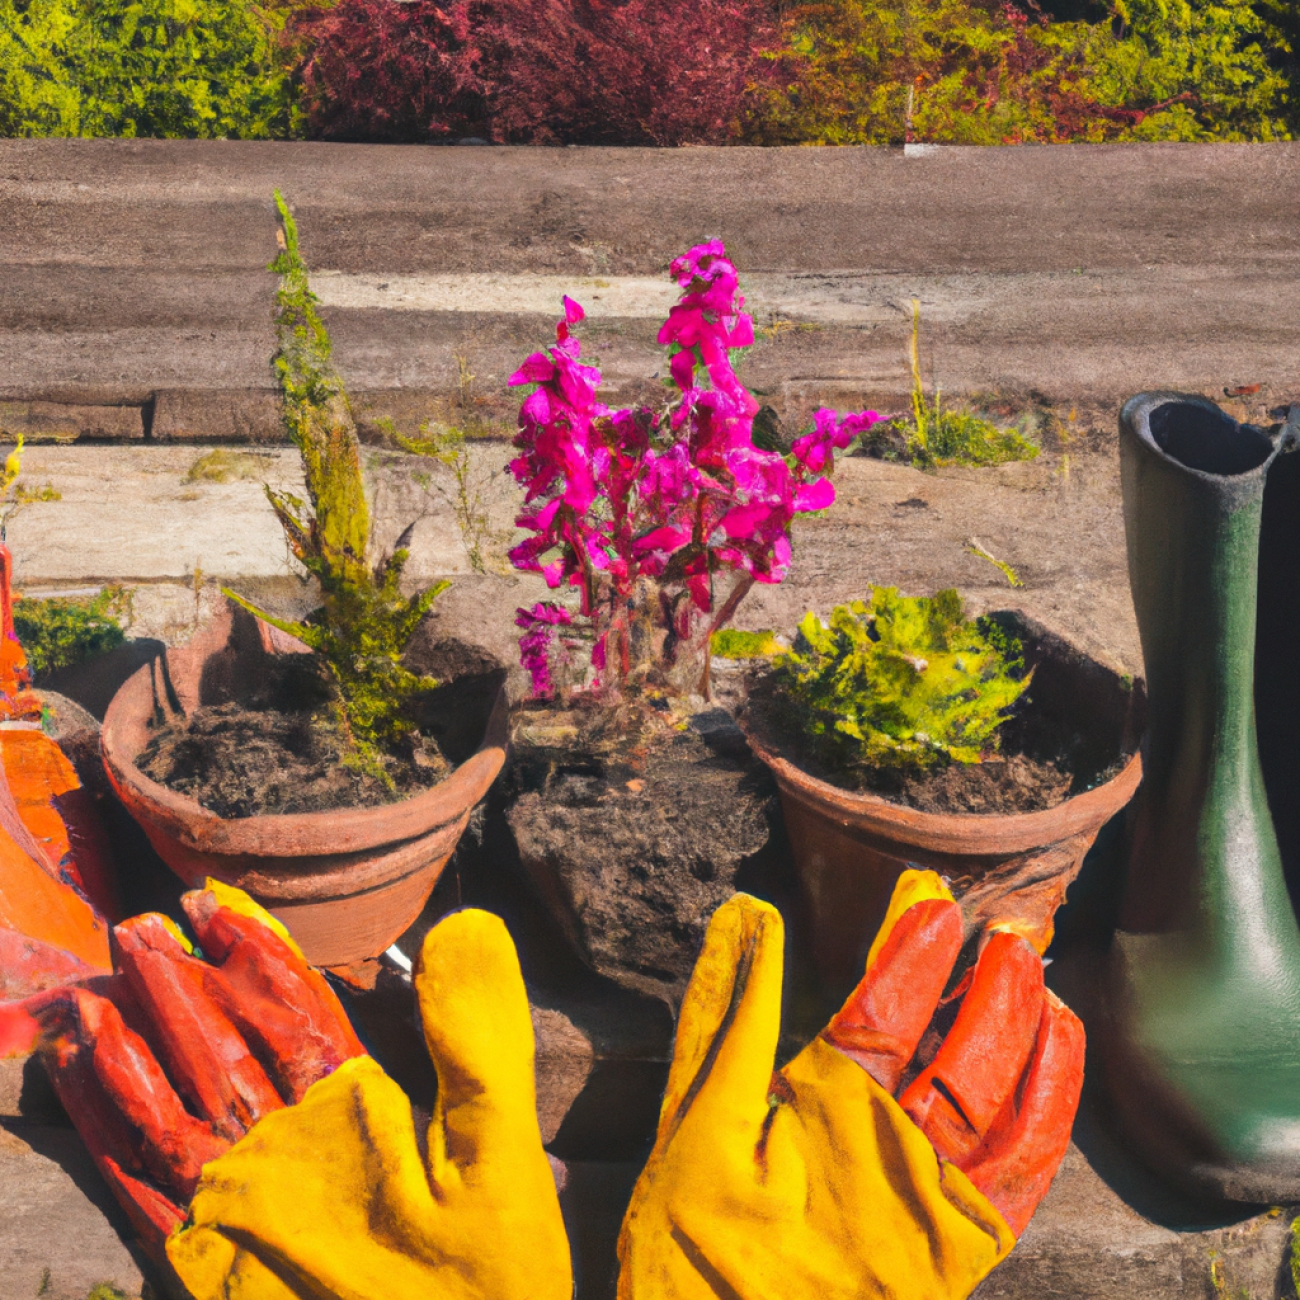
x,y
301,759
636,806
901,733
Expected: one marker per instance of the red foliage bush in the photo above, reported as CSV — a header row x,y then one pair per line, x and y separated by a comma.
x,y
534,71
380,70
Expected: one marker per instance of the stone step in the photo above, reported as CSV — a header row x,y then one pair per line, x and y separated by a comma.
x,y
136,303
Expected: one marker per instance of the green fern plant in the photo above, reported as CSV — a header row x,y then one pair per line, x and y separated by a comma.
x,y
364,623
901,681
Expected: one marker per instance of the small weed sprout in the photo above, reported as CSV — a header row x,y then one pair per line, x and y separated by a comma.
x,y
975,548
365,623
14,494
900,682
446,445
937,437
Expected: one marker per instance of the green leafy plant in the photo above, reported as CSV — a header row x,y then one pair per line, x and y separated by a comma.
x,y
62,631
985,72
15,495
364,623
901,681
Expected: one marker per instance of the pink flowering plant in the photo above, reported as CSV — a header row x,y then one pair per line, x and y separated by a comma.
x,y
661,520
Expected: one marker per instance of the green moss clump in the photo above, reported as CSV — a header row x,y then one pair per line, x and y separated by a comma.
x,y
731,643
223,465
365,623
960,438
63,631
938,437
901,681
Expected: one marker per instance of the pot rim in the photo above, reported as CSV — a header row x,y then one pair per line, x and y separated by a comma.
x,y
872,816
982,834
293,835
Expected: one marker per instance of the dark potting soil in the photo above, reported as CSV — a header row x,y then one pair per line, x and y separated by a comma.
x,y
281,750
635,833
1033,770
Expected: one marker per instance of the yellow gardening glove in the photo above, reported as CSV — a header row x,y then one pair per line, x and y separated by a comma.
x,y
813,1183
332,1198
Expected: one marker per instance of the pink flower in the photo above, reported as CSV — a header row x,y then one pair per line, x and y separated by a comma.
x,y
817,495
536,370
815,451
642,510
538,642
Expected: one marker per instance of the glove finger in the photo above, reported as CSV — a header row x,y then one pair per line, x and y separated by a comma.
x,y
729,1022
284,1009
203,1051
479,1033
35,903
956,1098
881,1024
21,1023
1024,1148
112,1085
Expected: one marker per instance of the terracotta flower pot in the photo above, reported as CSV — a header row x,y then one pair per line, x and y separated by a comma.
x,y
346,882
850,848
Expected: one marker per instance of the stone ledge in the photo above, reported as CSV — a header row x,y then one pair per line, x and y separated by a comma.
x,y
41,421
207,415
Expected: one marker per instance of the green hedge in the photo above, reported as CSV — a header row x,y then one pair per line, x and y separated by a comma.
x,y
170,68
972,71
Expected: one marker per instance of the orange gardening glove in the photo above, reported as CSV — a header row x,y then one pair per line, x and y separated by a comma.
x,y
262,1155
165,1064
998,1097
888,1158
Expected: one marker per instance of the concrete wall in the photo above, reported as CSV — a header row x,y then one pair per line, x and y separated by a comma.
x,y
135,304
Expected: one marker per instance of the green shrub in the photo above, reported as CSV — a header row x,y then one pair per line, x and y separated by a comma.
x,y
173,68
900,681
364,623
979,72
62,631
1219,55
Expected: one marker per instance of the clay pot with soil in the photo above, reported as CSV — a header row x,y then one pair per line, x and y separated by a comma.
x,y
346,864
634,829
313,762
1009,833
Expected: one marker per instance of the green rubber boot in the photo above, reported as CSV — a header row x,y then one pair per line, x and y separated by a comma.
x,y
1277,654
1199,1031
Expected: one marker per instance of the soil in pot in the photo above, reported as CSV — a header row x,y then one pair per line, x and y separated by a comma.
x,y
279,748
635,832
